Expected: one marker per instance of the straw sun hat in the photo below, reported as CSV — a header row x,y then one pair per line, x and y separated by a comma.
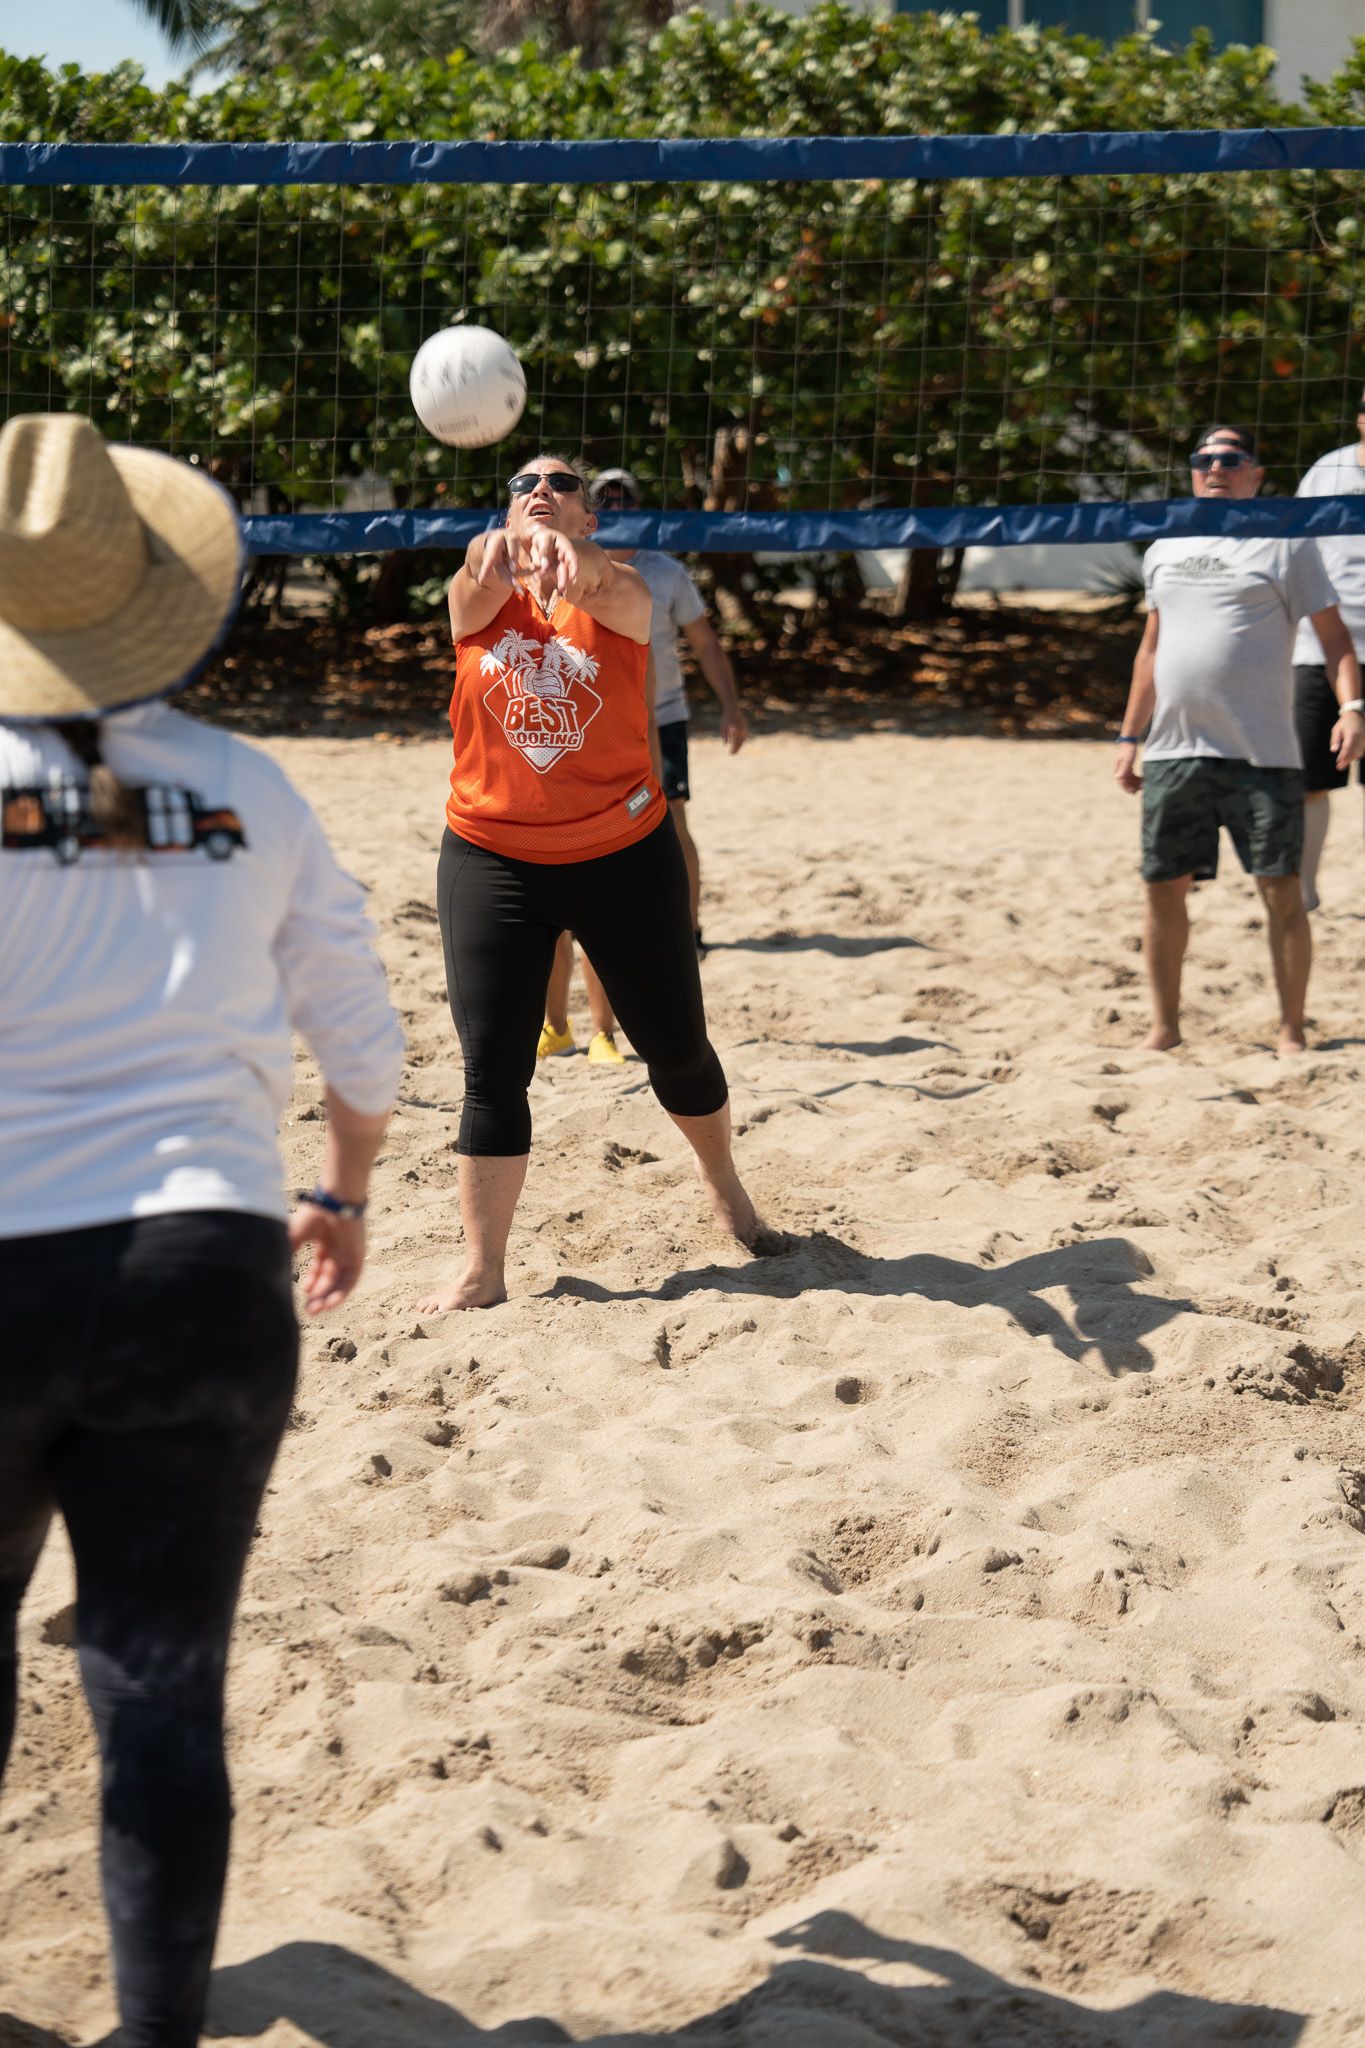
x,y
119,569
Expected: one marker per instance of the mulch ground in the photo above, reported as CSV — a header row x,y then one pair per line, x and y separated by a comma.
x,y
984,668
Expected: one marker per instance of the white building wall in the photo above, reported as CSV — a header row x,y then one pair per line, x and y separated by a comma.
x,y
1311,37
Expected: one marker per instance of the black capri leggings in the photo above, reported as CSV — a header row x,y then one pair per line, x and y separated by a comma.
x,y
500,920
145,1379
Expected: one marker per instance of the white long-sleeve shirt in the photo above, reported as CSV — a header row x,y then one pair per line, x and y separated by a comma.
x,y
146,1000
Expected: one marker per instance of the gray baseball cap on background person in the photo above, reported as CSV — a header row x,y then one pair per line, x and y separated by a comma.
x,y
624,477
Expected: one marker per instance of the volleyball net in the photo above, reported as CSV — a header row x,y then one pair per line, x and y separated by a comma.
x,y
794,344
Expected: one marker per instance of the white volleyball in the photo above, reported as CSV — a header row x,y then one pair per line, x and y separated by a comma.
x,y
468,388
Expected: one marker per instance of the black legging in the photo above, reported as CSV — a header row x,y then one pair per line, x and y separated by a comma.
x,y
146,1372
500,920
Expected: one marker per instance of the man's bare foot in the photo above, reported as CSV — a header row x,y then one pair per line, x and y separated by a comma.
x,y
1291,1040
1160,1040
471,1290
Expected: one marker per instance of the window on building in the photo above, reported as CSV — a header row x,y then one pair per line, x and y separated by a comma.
x,y
1230,21
992,14
1108,19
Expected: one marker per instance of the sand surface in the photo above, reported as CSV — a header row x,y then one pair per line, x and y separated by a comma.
x,y
947,1633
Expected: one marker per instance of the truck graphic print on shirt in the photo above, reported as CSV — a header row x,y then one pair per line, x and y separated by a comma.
x,y
57,817
542,697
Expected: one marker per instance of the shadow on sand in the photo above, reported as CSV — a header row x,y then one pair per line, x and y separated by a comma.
x,y
880,1048
1108,1315
841,943
340,2000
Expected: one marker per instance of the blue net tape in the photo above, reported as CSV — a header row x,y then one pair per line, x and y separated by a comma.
x,y
747,158
701,533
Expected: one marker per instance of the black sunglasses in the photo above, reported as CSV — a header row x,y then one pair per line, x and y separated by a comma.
x,y
613,494
561,481
1206,459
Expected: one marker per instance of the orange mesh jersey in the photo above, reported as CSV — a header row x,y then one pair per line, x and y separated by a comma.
x,y
551,737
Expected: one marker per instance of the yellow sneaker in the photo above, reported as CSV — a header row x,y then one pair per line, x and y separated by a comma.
x,y
552,1042
605,1052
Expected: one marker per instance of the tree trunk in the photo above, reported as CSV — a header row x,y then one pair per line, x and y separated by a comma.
x,y
950,575
390,596
928,583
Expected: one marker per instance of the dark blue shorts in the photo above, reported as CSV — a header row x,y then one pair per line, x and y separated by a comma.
x,y
673,753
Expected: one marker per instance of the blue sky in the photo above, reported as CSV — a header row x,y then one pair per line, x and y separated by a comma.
x,y
95,34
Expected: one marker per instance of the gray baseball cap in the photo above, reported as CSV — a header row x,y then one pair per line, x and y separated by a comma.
x,y
624,478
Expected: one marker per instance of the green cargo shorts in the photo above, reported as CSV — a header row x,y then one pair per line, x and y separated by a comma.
x,y
1185,801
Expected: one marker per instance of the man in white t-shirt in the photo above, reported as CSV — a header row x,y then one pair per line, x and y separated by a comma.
x,y
1214,677
1337,475
678,608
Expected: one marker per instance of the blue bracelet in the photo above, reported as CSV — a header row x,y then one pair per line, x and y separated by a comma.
x,y
1126,739
350,1212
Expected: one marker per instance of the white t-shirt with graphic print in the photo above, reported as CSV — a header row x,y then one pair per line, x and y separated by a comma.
x,y
1338,475
1224,667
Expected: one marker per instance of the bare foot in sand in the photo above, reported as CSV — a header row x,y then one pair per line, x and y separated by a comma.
x,y
1291,1040
735,1213
473,1289
1159,1040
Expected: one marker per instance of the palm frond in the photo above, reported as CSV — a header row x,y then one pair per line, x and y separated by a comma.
x,y
186,24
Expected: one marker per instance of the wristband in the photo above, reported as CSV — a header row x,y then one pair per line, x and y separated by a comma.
x,y
1127,739
350,1212
1356,704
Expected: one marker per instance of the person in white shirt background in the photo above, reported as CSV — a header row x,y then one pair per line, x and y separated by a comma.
x,y
678,608
1214,677
1341,473
169,909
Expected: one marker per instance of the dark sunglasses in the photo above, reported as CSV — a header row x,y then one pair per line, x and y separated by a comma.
x,y
1218,458
614,496
561,481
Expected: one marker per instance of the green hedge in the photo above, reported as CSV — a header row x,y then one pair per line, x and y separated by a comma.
x,y
272,329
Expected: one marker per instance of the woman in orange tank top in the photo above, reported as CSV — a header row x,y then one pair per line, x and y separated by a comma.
x,y
555,822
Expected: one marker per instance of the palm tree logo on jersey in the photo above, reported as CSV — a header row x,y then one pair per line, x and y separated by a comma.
x,y
542,697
